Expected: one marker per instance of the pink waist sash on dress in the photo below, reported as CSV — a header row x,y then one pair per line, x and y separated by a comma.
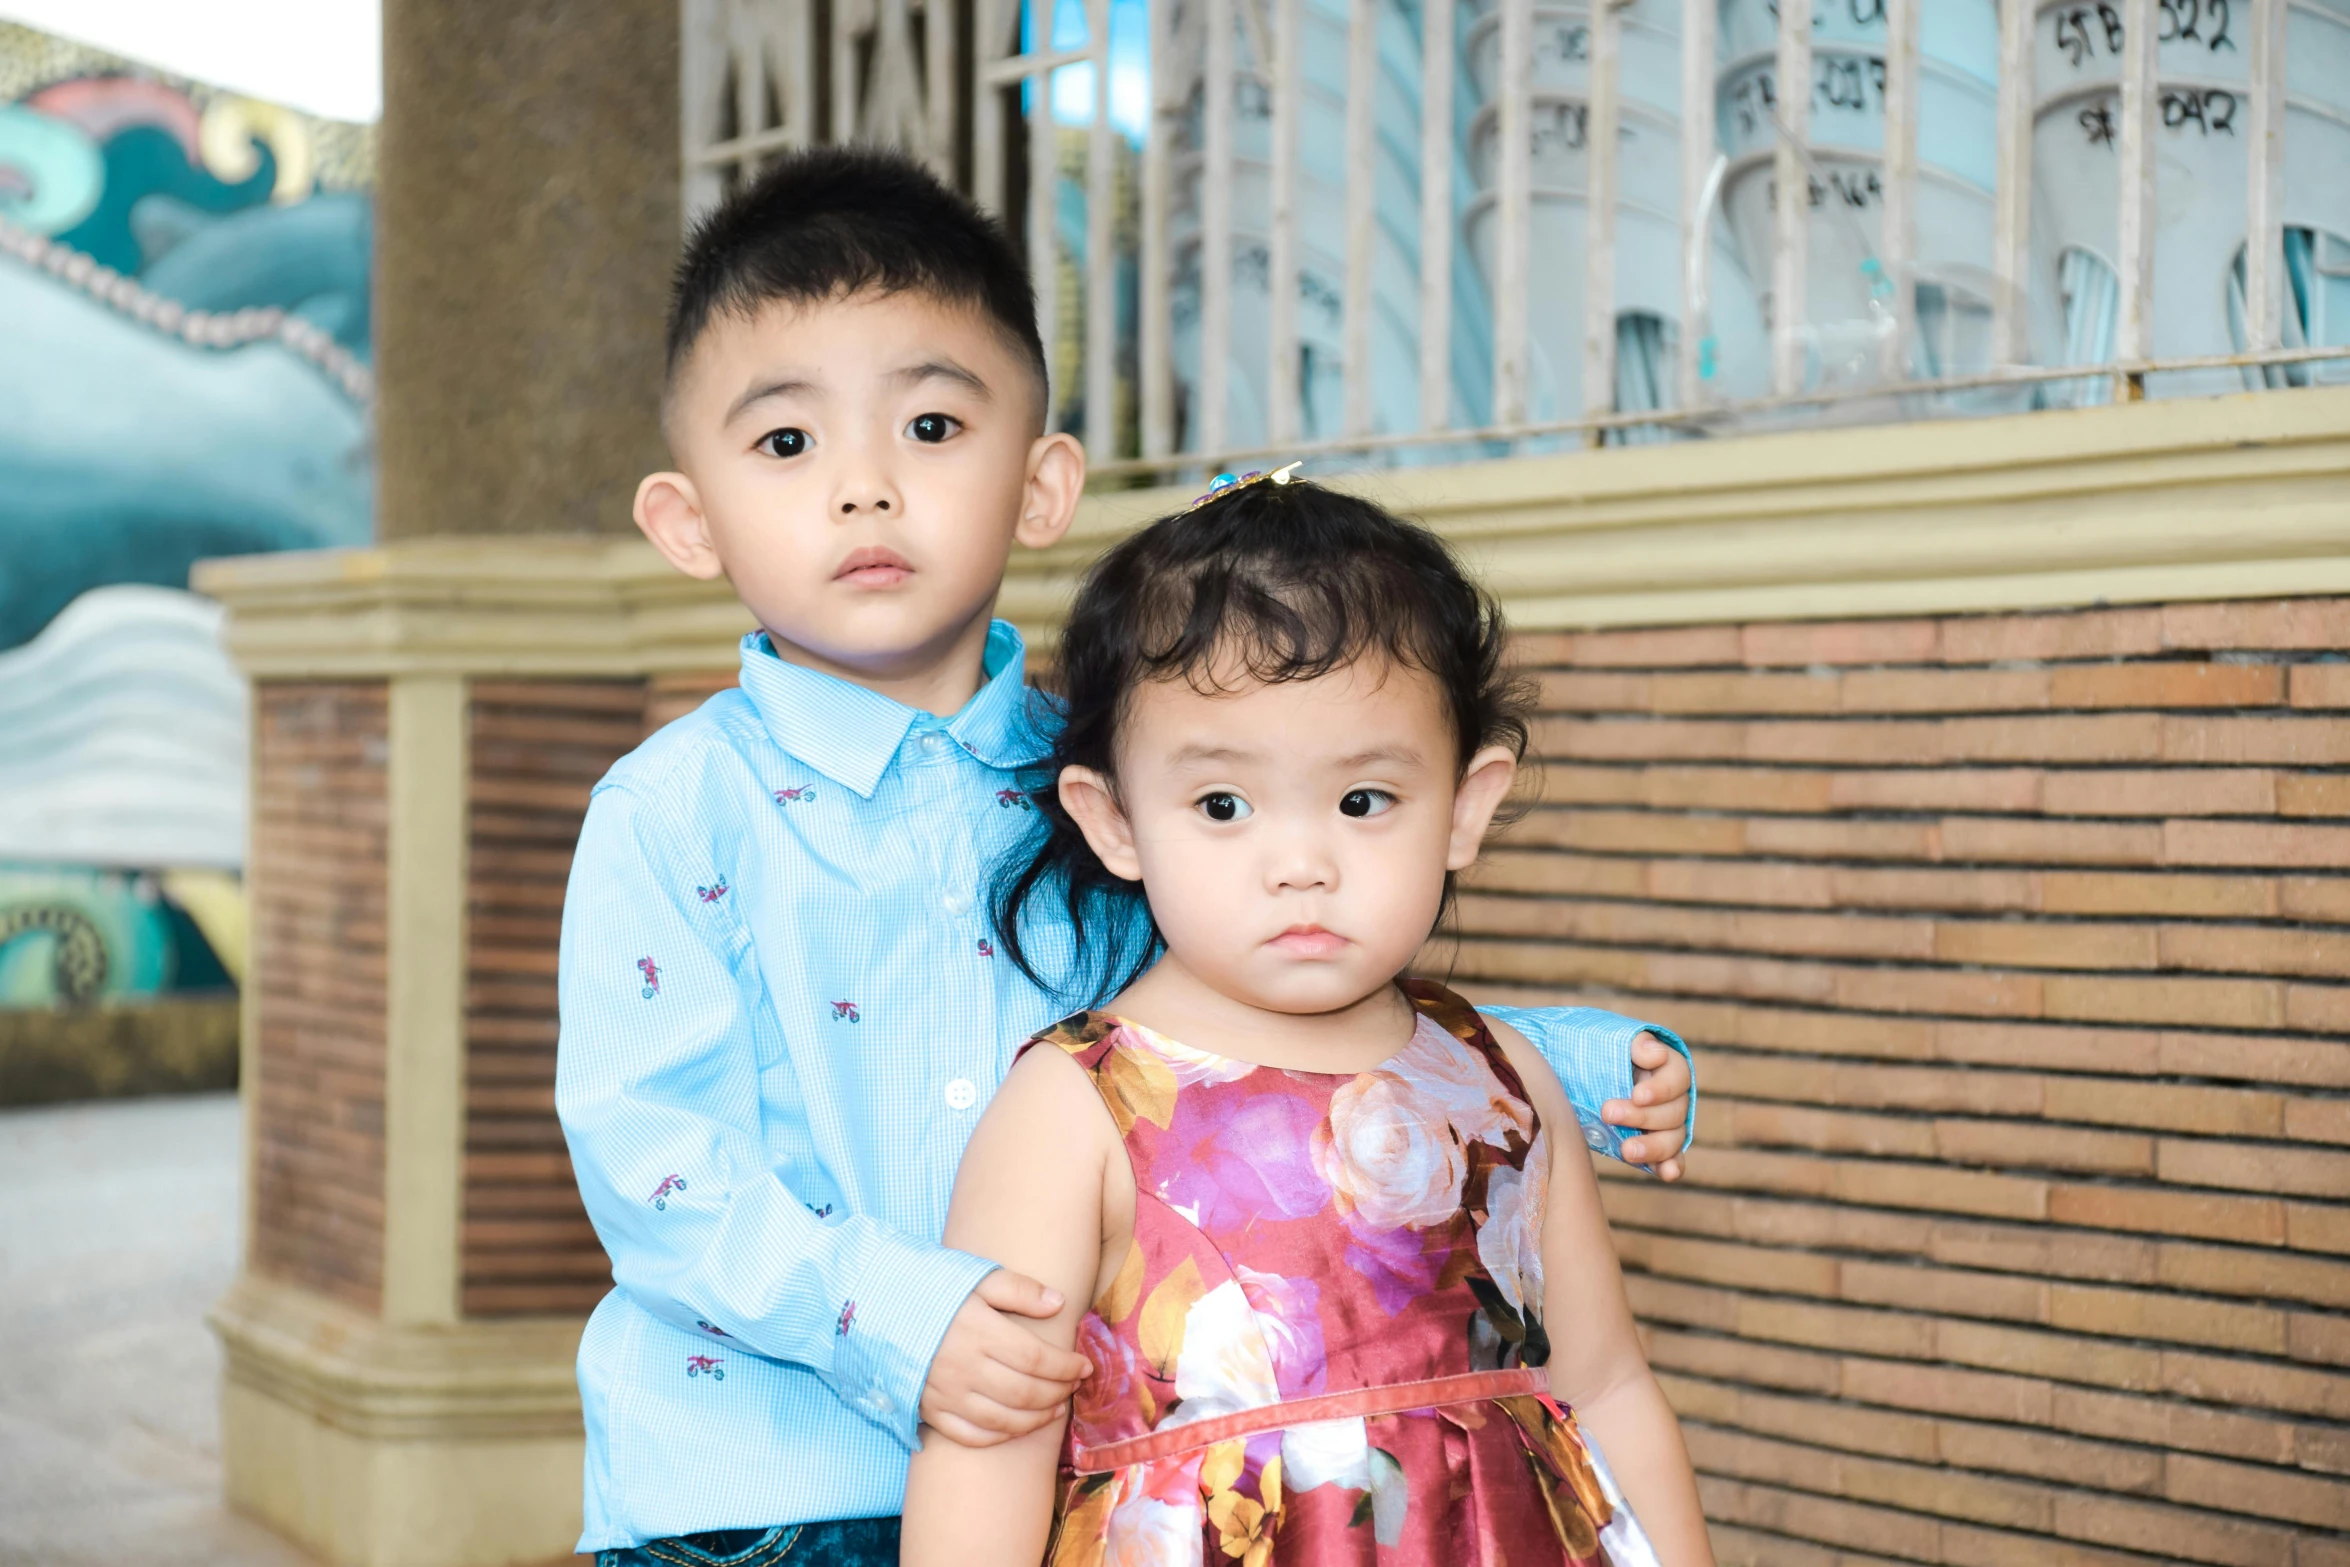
x,y
1468,1388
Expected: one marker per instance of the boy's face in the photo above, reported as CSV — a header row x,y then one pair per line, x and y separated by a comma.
x,y
859,469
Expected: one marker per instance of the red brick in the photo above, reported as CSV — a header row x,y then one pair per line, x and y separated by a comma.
x,y
2058,1356
2318,1008
1843,839
2243,1220
1631,832
1947,1390
2248,1488
2162,1422
2004,1143
2055,737
2320,1337
2255,1167
1841,642
1899,742
1759,1365
2260,1384
1658,648
2176,1319
2255,844
2293,742
1740,693
1841,1523
1945,690
2111,633
1945,1290
1743,881
2038,944
2118,892
2313,1226
2254,949
1564,875
2172,791
2314,1063
2322,623
2318,1121
2008,841
1926,789
2167,683
1908,888
1756,1124
2073,1049
1724,788
1967,994
2063,1460
2314,794
2166,1107
1940,1189
1639,739
2321,685
2040,1251
2213,1003
1843,1328
2171,1532
1928,1088
1576,691
1736,1267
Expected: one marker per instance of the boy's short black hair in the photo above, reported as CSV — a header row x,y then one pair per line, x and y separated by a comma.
x,y
827,222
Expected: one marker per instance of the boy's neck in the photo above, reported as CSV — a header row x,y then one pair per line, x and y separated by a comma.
x,y
938,679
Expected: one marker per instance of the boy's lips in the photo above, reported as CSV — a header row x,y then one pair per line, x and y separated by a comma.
x,y
1309,941
873,567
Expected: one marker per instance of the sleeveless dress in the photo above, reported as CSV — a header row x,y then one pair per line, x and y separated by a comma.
x,y
1323,1346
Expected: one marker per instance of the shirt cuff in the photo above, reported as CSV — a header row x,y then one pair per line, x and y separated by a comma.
x,y
895,1314
1591,1051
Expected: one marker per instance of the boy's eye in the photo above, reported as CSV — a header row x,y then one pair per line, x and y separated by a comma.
x,y
1365,802
783,443
930,429
1222,807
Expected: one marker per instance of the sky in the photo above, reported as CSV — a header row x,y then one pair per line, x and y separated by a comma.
x,y
321,56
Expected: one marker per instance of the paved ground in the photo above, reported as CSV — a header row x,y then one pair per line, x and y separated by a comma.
x,y
118,1230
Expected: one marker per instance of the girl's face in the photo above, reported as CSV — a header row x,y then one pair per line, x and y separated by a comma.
x,y
1293,839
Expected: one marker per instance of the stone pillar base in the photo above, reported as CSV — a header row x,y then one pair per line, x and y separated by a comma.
x,y
379,1446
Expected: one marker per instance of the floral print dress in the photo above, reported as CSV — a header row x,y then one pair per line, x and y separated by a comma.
x,y
1324,1344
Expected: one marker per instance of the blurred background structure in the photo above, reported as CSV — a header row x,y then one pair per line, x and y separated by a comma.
x,y
1925,499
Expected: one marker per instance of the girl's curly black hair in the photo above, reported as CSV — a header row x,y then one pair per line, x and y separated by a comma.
x,y
1269,583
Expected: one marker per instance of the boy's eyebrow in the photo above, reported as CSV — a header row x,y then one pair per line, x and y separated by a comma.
x,y
942,370
790,384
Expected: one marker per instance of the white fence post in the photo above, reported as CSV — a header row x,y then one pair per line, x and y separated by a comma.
x,y
1791,210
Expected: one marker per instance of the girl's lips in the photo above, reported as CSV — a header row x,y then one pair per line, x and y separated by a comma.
x,y
1309,941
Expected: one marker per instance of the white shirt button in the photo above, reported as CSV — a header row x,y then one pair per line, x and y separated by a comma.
x,y
933,742
962,1094
957,903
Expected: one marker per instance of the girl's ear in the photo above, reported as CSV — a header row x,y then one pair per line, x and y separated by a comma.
x,y
1485,783
1087,797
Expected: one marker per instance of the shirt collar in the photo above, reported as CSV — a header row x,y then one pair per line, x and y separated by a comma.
x,y
850,732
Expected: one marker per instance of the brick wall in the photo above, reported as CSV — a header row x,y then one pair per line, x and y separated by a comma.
x,y
538,747
2016,951
317,894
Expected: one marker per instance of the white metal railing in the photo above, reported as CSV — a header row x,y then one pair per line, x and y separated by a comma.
x,y
1250,241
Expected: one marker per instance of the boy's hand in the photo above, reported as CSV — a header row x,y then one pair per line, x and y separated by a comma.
x,y
1658,1108
993,1379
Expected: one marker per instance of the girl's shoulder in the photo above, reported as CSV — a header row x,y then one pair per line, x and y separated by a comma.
x,y
1083,1036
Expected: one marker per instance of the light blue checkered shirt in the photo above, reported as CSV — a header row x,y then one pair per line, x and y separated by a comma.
x,y
783,1012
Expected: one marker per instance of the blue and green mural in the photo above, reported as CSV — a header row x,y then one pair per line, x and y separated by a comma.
x,y
185,373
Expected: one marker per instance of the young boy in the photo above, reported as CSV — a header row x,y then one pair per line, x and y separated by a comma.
x,y
783,1006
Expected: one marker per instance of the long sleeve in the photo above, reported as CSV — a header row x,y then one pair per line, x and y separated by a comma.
x,y
658,1089
1591,1051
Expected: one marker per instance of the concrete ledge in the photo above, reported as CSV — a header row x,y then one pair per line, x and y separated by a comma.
x,y
2245,496
172,1046
376,1446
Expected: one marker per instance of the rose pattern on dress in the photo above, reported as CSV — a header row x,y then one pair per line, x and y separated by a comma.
x,y
1298,1234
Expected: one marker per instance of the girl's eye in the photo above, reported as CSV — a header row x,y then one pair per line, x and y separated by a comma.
x,y
1365,802
783,443
1221,807
930,429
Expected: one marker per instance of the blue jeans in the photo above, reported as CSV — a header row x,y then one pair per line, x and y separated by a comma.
x,y
847,1542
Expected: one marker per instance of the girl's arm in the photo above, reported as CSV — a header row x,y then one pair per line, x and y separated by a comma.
x,y
1596,1367
1029,1195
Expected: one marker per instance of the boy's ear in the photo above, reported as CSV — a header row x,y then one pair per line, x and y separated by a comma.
x,y
1056,481
669,510
1485,783
1086,796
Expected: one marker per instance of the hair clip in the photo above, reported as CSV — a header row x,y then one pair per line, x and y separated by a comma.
x,y
1224,484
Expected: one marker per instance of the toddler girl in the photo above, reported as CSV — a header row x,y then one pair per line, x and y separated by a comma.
x,y
1328,1238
